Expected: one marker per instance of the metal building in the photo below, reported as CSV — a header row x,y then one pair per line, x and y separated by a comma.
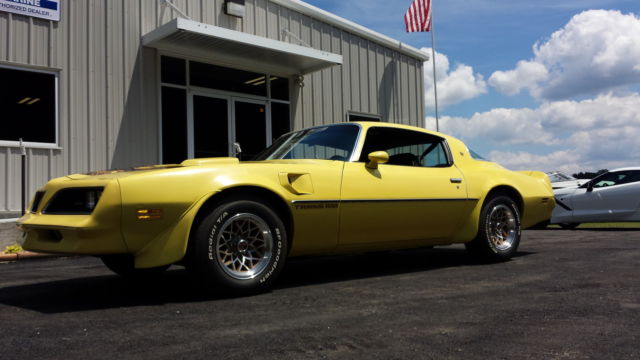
x,y
104,84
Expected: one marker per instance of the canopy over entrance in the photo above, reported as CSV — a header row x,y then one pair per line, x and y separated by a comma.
x,y
229,47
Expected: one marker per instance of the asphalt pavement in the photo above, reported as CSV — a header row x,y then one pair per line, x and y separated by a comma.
x,y
569,294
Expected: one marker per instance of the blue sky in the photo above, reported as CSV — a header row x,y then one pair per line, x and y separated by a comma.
x,y
544,85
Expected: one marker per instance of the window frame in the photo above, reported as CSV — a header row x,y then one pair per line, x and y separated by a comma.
x,y
56,79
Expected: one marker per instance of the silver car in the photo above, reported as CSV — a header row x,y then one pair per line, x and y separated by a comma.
x,y
611,197
561,180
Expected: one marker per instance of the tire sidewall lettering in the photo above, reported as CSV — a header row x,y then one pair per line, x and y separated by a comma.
x,y
276,258
213,233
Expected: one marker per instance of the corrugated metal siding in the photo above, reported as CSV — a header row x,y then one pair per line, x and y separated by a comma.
x,y
108,87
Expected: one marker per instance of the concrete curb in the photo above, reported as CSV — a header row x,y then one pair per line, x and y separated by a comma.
x,y
24,255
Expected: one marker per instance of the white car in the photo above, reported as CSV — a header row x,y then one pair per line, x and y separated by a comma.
x,y
560,180
611,197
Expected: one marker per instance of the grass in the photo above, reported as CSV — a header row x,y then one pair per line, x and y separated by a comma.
x,y
12,249
606,225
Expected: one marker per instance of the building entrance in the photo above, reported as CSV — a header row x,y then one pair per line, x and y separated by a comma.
x,y
225,126
212,111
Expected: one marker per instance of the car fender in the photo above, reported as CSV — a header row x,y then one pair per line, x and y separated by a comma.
x,y
171,245
162,238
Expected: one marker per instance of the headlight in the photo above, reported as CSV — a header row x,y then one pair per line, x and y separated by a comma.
x,y
74,201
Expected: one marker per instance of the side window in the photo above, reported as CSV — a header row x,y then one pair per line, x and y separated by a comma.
x,y
634,176
406,147
28,99
617,178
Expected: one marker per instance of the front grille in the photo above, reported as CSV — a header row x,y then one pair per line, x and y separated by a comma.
x,y
74,201
36,201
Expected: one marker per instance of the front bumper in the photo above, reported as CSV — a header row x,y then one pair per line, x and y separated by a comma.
x,y
97,233
70,234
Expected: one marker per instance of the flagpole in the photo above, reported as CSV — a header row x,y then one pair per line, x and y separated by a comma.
x,y
433,61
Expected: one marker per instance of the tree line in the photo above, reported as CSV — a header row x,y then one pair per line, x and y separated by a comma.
x,y
588,175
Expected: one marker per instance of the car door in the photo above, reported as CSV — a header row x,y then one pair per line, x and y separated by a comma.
x,y
418,196
613,196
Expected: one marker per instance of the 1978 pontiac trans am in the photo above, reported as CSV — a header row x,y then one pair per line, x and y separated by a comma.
x,y
341,188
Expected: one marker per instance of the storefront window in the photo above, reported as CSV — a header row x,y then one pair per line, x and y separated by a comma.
x,y
174,125
214,111
221,78
280,120
363,117
279,88
29,107
173,71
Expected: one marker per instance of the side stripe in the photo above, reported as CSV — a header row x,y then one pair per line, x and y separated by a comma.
x,y
563,205
378,200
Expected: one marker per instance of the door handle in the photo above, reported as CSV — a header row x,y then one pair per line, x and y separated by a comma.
x,y
455,180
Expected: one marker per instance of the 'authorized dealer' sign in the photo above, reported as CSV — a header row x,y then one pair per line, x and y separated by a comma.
x,y
45,9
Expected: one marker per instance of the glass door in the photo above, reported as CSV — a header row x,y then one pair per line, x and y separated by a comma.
x,y
209,126
251,130
220,126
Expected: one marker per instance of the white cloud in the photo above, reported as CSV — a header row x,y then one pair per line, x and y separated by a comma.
x,y
567,161
527,74
584,135
454,86
500,126
597,51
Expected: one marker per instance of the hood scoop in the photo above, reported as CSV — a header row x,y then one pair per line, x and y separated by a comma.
x,y
210,161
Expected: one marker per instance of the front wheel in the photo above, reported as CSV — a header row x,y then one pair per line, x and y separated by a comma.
x,y
499,230
241,246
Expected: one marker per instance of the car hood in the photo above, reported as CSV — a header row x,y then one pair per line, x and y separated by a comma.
x,y
187,165
564,191
568,184
120,173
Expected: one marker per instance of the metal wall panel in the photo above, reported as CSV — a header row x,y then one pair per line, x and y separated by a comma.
x,y
108,98
273,21
326,79
5,44
19,34
336,77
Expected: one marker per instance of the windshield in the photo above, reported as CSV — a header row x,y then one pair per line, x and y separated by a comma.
x,y
335,142
558,176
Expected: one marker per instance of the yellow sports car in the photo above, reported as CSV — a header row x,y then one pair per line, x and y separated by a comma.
x,y
341,188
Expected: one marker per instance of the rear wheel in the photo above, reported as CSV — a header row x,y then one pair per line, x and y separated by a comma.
x,y
499,230
241,246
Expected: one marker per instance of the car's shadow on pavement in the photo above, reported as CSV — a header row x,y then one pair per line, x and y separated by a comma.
x,y
592,229
176,286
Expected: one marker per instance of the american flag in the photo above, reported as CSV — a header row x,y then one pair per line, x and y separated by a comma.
x,y
418,17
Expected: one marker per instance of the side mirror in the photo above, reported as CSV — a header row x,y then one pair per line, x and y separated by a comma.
x,y
377,157
590,186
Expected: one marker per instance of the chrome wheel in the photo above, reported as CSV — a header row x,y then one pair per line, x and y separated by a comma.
x,y
502,227
244,246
